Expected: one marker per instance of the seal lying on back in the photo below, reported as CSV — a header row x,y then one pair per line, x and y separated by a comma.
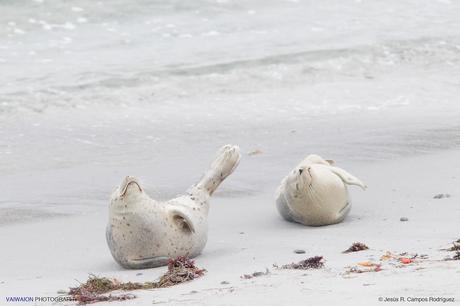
x,y
144,233
315,193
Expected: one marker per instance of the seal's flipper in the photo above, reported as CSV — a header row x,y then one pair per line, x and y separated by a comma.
x,y
347,178
182,220
144,263
227,159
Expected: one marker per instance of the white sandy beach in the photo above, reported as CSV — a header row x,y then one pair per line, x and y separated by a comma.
x,y
247,235
93,92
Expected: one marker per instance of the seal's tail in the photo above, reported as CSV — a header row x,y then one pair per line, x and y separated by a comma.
x,y
227,159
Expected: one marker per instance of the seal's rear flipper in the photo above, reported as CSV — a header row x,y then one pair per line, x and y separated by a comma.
x,y
347,178
144,263
227,159
181,219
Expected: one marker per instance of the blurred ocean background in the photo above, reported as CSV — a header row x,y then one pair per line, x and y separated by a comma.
x,y
92,91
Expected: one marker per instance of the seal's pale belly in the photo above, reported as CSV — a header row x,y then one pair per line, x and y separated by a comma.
x,y
325,206
151,232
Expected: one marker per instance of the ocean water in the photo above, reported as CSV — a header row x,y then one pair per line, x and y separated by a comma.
x,y
92,91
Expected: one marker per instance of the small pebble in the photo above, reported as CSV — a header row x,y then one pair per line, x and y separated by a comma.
x,y
441,196
299,251
255,152
139,274
224,283
403,219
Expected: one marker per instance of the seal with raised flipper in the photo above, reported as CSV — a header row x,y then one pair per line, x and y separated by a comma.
x,y
315,193
145,233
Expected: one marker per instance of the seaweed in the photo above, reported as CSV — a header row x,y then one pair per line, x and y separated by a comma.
x,y
456,256
255,274
455,247
373,268
180,270
315,262
356,247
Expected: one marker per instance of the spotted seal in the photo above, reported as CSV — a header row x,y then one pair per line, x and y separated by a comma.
x,y
145,233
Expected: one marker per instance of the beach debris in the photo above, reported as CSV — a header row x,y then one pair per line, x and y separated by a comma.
x,y
180,270
371,268
405,260
422,256
441,196
299,251
255,152
315,262
387,256
366,264
356,247
255,274
388,260
93,290
139,274
94,298
404,219
413,256
455,257
224,283
455,247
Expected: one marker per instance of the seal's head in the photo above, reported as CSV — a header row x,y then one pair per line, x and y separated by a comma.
x,y
304,176
316,159
129,191
129,185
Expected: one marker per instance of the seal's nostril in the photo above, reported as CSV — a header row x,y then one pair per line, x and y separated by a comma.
x,y
300,171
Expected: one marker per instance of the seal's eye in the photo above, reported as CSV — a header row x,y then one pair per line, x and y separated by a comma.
x,y
300,171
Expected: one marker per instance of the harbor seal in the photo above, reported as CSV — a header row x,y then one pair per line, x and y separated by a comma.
x,y
315,193
144,233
